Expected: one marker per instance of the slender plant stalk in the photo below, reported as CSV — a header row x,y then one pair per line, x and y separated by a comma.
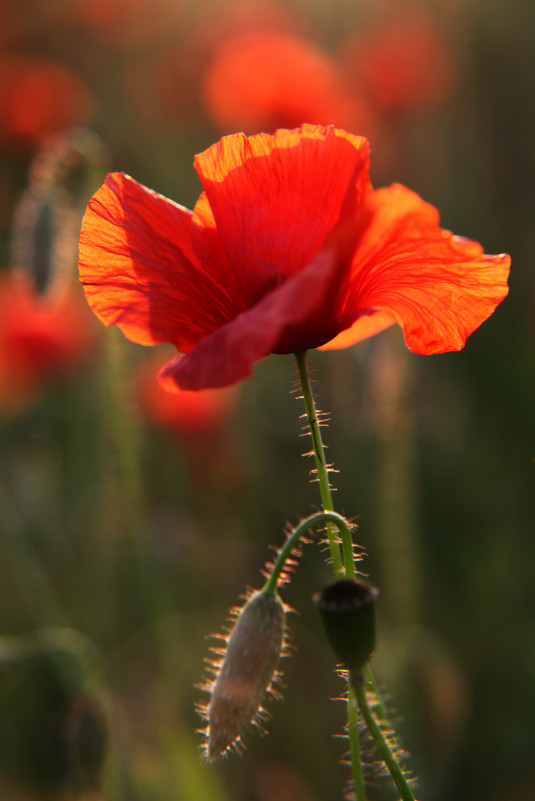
x,y
37,592
342,566
354,743
345,567
381,744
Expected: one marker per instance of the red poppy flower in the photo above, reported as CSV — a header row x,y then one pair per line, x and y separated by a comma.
x,y
402,64
191,414
270,79
169,83
288,248
39,339
39,98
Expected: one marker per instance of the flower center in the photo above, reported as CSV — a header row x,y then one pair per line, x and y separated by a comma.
x,y
275,280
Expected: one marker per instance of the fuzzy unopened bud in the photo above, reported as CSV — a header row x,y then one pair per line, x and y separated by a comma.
x,y
245,673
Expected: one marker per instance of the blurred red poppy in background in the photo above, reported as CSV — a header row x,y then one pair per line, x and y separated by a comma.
x,y
198,422
169,82
402,64
186,412
288,248
40,98
40,339
269,79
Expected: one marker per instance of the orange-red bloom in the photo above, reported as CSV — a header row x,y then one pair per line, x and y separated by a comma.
x,y
40,339
402,65
270,79
191,414
40,98
288,248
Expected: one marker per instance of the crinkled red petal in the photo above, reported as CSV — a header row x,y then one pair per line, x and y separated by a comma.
x,y
140,271
367,325
437,286
276,198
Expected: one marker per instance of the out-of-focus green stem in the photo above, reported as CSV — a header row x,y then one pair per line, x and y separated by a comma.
x,y
36,590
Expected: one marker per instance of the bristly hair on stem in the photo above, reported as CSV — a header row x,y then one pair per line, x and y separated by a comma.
x,y
343,562
320,420
375,768
291,560
390,754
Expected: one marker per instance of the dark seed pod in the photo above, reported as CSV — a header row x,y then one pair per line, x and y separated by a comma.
x,y
347,609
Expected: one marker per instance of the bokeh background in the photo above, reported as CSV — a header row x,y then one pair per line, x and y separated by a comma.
x,y
131,520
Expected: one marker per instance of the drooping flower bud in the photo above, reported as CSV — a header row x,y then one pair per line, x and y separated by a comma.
x,y
47,217
244,673
347,609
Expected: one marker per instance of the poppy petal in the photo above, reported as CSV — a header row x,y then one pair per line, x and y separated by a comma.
x,y
290,314
276,198
139,269
437,286
212,255
365,326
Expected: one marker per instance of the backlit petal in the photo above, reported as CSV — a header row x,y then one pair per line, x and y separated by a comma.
x,y
365,326
276,198
291,318
288,248
139,269
437,286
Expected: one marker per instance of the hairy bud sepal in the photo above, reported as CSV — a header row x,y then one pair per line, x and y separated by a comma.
x,y
347,609
244,673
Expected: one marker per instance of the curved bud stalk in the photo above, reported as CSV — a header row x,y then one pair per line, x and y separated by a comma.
x,y
244,673
246,666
